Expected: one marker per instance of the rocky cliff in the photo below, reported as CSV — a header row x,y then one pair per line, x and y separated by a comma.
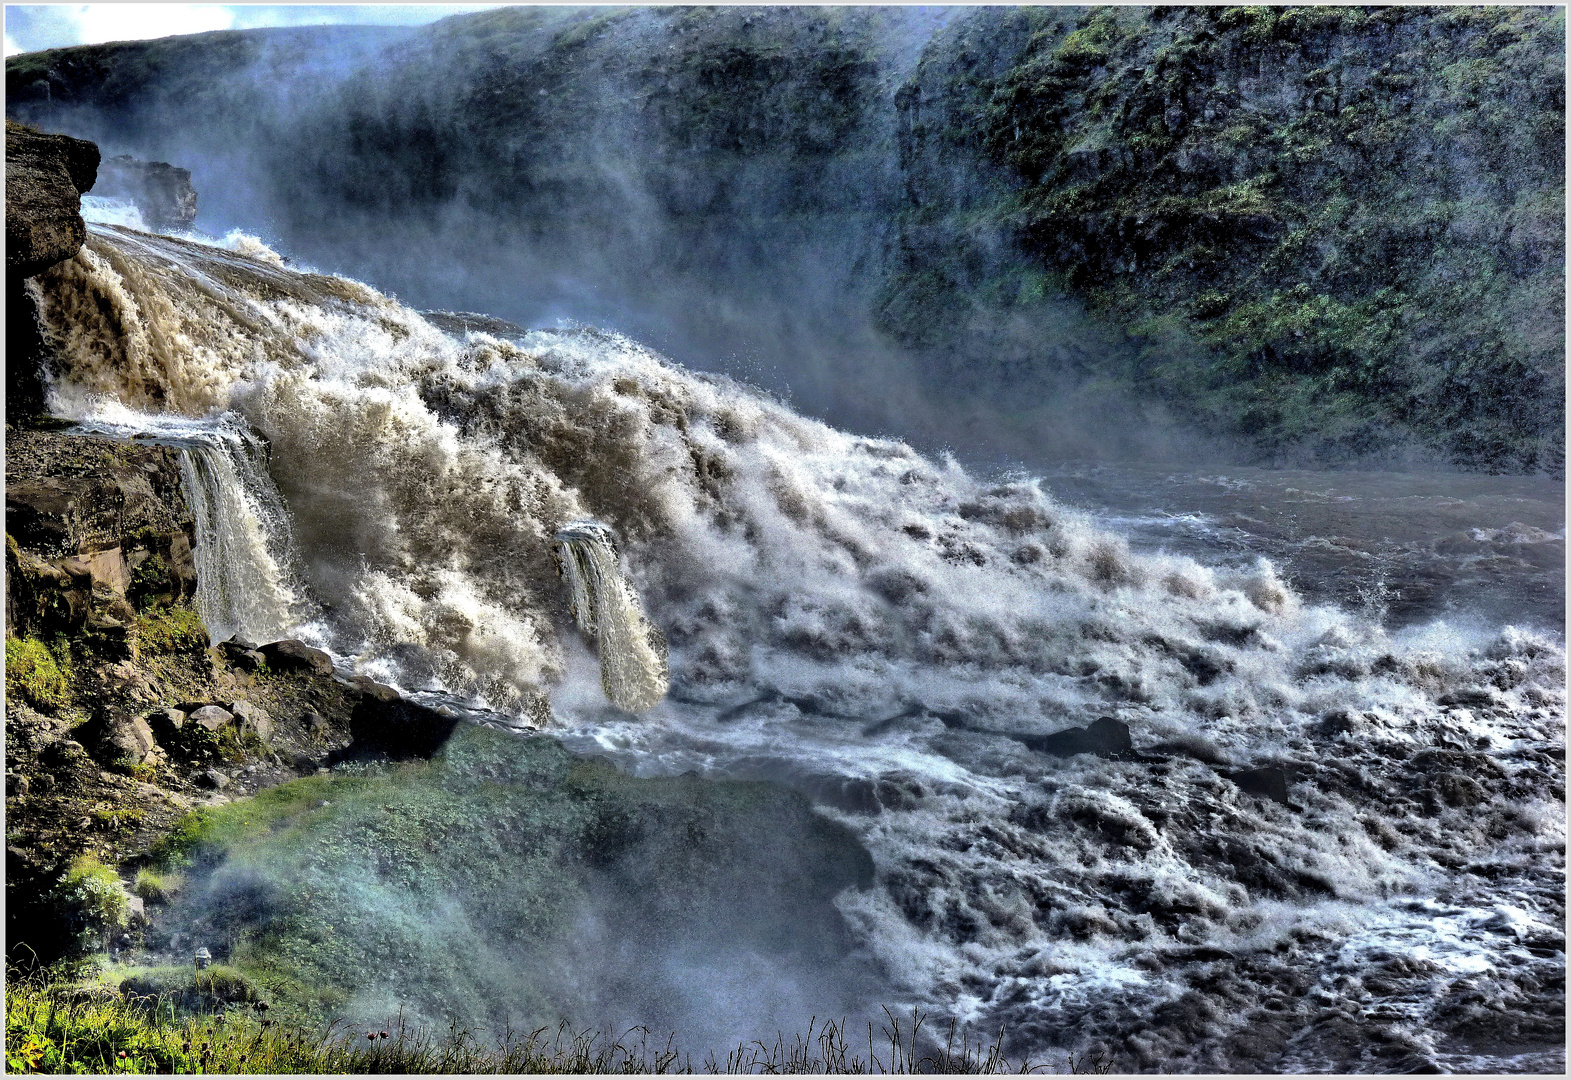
x,y
161,192
1332,234
45,177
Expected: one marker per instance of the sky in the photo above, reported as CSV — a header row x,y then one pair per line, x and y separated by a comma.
x,y
29,27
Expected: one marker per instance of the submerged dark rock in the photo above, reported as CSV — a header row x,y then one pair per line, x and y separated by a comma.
x,y
1270,782
1103,736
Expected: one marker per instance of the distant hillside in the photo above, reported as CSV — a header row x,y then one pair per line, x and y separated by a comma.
x,y
1332,234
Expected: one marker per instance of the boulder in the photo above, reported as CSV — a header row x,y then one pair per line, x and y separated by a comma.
x,y
166,723
398,728
45,176
243,654
253,717
290,655
314,722
161,192
119,738
211,717
1104,736
212,778
369,687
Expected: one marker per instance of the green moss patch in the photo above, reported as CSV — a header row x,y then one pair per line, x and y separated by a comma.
x,y
170,630
37,673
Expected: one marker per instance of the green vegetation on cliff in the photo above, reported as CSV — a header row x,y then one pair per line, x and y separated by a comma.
x,y
1358,214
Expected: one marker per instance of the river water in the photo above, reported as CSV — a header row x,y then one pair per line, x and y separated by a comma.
x,y
1334,841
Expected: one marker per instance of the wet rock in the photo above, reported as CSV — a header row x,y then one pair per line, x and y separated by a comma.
x,y
373,689
45,176
290,655
161,192
1268,782
1454,789
1104,736
242,654
398,728
211,717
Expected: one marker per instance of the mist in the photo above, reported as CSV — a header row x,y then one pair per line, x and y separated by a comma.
x,y
769,243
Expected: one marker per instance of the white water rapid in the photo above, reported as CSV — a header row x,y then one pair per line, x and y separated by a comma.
x,y
896,636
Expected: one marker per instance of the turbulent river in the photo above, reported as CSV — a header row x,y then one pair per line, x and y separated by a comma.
x,y
1336,843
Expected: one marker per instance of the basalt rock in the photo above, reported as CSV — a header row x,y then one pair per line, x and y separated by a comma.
x,y
45,177
1270,782
211,717
161,192
398,728
96,528
290,655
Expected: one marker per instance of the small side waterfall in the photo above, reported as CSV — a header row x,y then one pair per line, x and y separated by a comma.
x,y
633,667
242,531
244,545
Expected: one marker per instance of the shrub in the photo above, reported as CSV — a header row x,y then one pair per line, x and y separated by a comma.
x,y
93,901
36,673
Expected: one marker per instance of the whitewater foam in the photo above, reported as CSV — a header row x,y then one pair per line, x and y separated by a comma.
x,y
890,634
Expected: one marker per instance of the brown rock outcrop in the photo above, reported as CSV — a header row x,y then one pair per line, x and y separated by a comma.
x,y
45,177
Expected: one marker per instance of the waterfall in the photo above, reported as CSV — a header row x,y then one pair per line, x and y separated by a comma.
x,y
242,536
244,546
632,651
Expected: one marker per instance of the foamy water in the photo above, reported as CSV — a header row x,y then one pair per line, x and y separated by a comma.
x,y
892,635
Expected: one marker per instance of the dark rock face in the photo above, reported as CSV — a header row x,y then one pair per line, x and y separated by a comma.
x,y
162,192
398,727
1269,782
45,176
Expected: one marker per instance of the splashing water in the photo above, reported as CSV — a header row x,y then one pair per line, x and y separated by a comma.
x,y
894,636
633,668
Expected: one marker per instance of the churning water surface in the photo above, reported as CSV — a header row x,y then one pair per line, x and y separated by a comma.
x,y
1336,840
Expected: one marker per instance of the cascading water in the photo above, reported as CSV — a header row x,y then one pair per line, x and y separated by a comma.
x,y
245,555
896,636
633,666
242,588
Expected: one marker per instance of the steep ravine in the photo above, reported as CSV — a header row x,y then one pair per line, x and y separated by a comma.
x,y
1317,235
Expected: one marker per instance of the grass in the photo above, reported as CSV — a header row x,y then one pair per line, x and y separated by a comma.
x,y
49,1031
154,887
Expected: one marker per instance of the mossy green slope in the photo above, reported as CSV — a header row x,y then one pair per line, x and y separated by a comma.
x,y
460,886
